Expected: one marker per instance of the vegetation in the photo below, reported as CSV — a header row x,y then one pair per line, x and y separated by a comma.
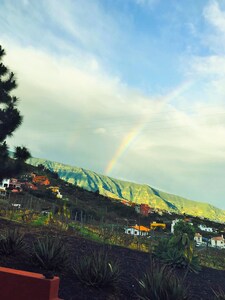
x,y
12,242
98,270
178,250
159,283
133,192
50,254
10,120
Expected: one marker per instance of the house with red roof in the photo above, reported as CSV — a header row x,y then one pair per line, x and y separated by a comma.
x,y
42,180
218,242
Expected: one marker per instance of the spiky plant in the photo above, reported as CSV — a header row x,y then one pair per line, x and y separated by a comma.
x,y
50,254
12,242
98,270
159,283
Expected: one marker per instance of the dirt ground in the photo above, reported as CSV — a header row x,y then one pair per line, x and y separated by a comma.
x,y
132,264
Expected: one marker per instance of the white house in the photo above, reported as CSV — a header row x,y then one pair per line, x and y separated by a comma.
x,y
174,222
204,228
198,238
5,183
218,242
138,230
2,192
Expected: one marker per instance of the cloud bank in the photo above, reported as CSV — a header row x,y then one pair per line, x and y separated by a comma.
x,y
78,109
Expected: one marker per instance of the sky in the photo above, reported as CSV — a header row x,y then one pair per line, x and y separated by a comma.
x,y
133,89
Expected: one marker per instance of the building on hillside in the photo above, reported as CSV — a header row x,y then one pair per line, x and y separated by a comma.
x,y
29,186
138,230
154,225
143,209
137,208
3,192
55,190
42,180
198,238
218,242
15,184
127,203
205,228
174,222
5,183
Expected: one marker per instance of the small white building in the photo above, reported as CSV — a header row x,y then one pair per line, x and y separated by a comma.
x,y
218,242
2,192
204,228
198,238
174,222
5,183
138,230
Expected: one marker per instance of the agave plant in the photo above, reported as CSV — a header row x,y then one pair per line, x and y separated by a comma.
x,y
98,270
12,242
159,283
50,254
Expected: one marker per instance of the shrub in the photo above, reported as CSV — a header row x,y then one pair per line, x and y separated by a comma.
x,y
159,283
172,253
161,248
12,242
98,270
50,254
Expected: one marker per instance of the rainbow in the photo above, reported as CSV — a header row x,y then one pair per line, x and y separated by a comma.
x,y
126,142
132,136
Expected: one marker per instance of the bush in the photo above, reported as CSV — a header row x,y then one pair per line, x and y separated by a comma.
x,y
50,254
173,255
98,270
161,248
12,242
159,283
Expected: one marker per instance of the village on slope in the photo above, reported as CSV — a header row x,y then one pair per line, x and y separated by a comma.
x,y
33,182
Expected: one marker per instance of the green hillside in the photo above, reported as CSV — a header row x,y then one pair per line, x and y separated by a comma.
x,y
133,192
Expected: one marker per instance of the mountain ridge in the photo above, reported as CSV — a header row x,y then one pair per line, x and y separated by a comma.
x,y
134,192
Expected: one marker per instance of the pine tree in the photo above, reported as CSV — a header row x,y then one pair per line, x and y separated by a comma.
x,y
10,120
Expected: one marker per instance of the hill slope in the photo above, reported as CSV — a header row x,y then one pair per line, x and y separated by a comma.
x,y
133,192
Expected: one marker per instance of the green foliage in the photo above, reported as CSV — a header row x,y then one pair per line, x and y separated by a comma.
x,y
119,189
10,119
12,242
98,270
159,283
182,227
161,248
21,154
50,254
177,259
178,252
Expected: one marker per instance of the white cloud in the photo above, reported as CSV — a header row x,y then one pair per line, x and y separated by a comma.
x,y
100,130
215,16
75,111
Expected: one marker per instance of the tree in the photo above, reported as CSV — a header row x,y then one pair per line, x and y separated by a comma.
x,y
183,227
10,120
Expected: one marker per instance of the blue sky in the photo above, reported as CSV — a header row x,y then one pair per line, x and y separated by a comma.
x,y
133,89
